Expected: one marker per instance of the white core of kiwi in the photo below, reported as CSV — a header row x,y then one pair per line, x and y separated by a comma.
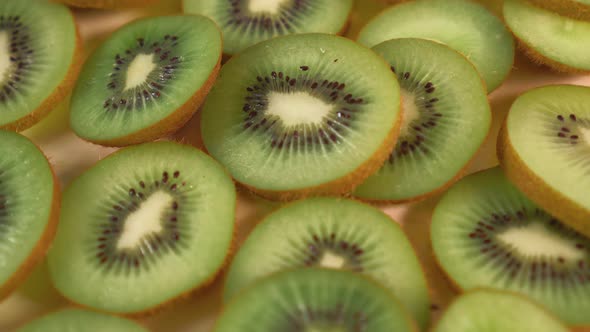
x,y
297,108
534,240
139,69
585,133
410,112
266,6
4,55
332,261
145,220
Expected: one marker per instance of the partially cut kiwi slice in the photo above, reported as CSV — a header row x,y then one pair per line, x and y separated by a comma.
x,y
108,4
29,209
486,233
248,22
486,310
40,59
302,114
146,80
560,42
578,9
333,233
76,320
446,118
143,227
544,148
315,300
463,25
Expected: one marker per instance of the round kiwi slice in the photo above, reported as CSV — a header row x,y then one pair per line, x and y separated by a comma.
x,y
108,4
40,59
463,25
146,80
248,22
29,209
486,310
544,148
559,42
446,118
578,9
76,320
302,114
143,227
486,233
333,233
319,300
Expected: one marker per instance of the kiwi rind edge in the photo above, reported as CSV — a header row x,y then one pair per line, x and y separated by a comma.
x,y
108,4
569,8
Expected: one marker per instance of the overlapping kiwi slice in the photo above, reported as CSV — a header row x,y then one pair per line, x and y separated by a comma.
x,y
463,25
486,310
544,148
446,118
333,233
29,208
302,114
143,227
76,320
560,42
146,80
39,60
486,233
248,22
108,4
578,9
315,300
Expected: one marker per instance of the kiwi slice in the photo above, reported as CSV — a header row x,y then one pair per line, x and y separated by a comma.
x,y
108,4
146,80
544,148
486,310
463,25
143,227
302,114
319,300
40,59
578,9
333,233
559,42
446,119
77,320
486,233
248,22
29,209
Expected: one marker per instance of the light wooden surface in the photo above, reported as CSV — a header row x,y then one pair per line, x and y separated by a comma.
x,y
71,156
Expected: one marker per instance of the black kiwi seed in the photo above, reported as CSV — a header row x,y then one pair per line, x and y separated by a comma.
x,y
21,56
240,17
568,128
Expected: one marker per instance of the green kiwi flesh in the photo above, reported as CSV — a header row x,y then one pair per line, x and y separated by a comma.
x,y
248,22
38,49
146,80
144,226
560,42
486,233
446,118
333,233
485,310
320,300
299,112
467,27
76,320
578,9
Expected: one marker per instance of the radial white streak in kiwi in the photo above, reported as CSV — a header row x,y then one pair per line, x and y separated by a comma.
x,y
139,70
4,55
332,261
145,220
534,240
266,6
410,111
297,108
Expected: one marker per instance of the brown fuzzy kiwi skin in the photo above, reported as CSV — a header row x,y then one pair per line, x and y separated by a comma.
x,y
555,203
59,93
540,59
108,4
569,8
38,253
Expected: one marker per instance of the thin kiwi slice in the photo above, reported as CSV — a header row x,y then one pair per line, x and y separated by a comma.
x,y
77,320
446,119
320,300
467,27
578,9
40,59
146,80
144,226
29,209
248,22
486,310
108,4
333,233
302,114
486,233
544,148
559,42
